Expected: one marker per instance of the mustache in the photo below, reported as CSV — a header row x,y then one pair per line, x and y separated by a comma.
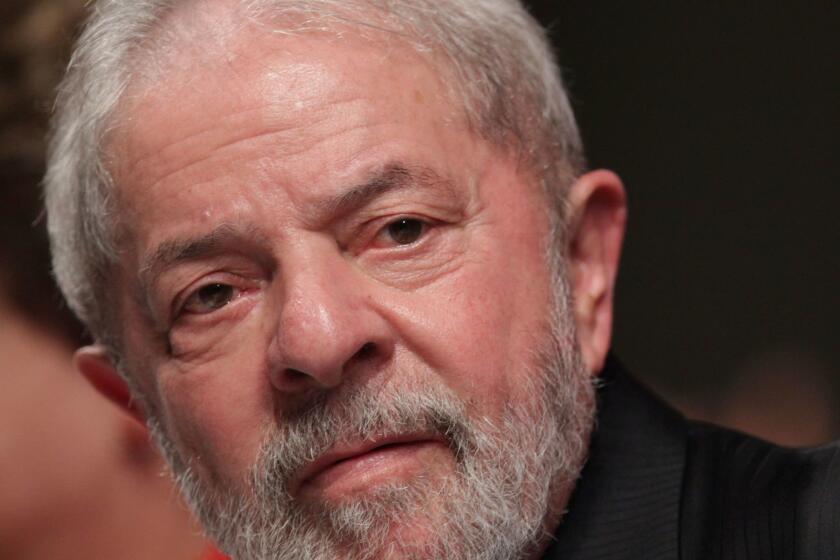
x,y
325,420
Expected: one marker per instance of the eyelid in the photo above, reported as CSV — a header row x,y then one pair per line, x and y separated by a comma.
x,y
383,224
235,294
227,279
181,299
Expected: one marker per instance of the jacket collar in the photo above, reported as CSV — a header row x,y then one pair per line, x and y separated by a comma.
x,y
626,504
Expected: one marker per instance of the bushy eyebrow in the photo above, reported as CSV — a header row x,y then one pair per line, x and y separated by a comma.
x,y
389,178
174,251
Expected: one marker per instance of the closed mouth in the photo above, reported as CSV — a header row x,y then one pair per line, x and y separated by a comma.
x,y
344,454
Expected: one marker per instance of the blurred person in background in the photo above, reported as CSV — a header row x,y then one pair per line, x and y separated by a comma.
x,y
785,396
78,478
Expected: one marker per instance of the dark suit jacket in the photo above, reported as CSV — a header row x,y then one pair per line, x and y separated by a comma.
x,y
657,487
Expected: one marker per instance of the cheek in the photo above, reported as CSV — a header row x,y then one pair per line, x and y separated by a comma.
x,y
218,411
479,327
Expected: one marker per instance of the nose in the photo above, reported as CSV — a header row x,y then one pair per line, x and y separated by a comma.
x,y
328,328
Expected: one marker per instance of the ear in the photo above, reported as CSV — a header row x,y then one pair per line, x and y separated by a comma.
x,y
596,219
93,362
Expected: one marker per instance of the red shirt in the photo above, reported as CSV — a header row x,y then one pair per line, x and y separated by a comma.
x,y
212,554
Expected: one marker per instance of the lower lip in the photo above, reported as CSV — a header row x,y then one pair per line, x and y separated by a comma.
x,y
383,464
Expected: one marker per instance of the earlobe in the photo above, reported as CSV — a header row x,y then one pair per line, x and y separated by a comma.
x,y
596,220
93,362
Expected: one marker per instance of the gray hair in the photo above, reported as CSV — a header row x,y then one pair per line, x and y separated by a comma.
x,y
503,68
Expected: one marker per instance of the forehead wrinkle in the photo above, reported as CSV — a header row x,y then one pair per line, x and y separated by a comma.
x,y
208,152
194,136
291,136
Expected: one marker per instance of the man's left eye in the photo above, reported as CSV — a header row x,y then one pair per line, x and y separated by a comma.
x,y
405,231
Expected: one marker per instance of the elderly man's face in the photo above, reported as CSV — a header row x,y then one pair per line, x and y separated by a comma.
x,y
332,295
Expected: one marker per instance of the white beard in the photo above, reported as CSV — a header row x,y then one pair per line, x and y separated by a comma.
x,y
509,476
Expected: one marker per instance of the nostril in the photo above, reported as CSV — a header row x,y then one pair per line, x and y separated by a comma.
x,y
325,371
366,351
295,374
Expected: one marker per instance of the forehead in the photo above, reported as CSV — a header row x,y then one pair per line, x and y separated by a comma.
x,y
220,56
295,115
293,86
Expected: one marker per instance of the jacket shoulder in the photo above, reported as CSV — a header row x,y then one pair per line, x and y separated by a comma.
x,y
747,498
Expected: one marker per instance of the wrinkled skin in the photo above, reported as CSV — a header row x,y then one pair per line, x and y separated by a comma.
x,y
302,215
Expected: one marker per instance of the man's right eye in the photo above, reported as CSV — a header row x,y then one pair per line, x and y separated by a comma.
x,y
209,298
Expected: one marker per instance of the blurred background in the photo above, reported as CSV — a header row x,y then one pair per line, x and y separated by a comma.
x,y
79,480
720,118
